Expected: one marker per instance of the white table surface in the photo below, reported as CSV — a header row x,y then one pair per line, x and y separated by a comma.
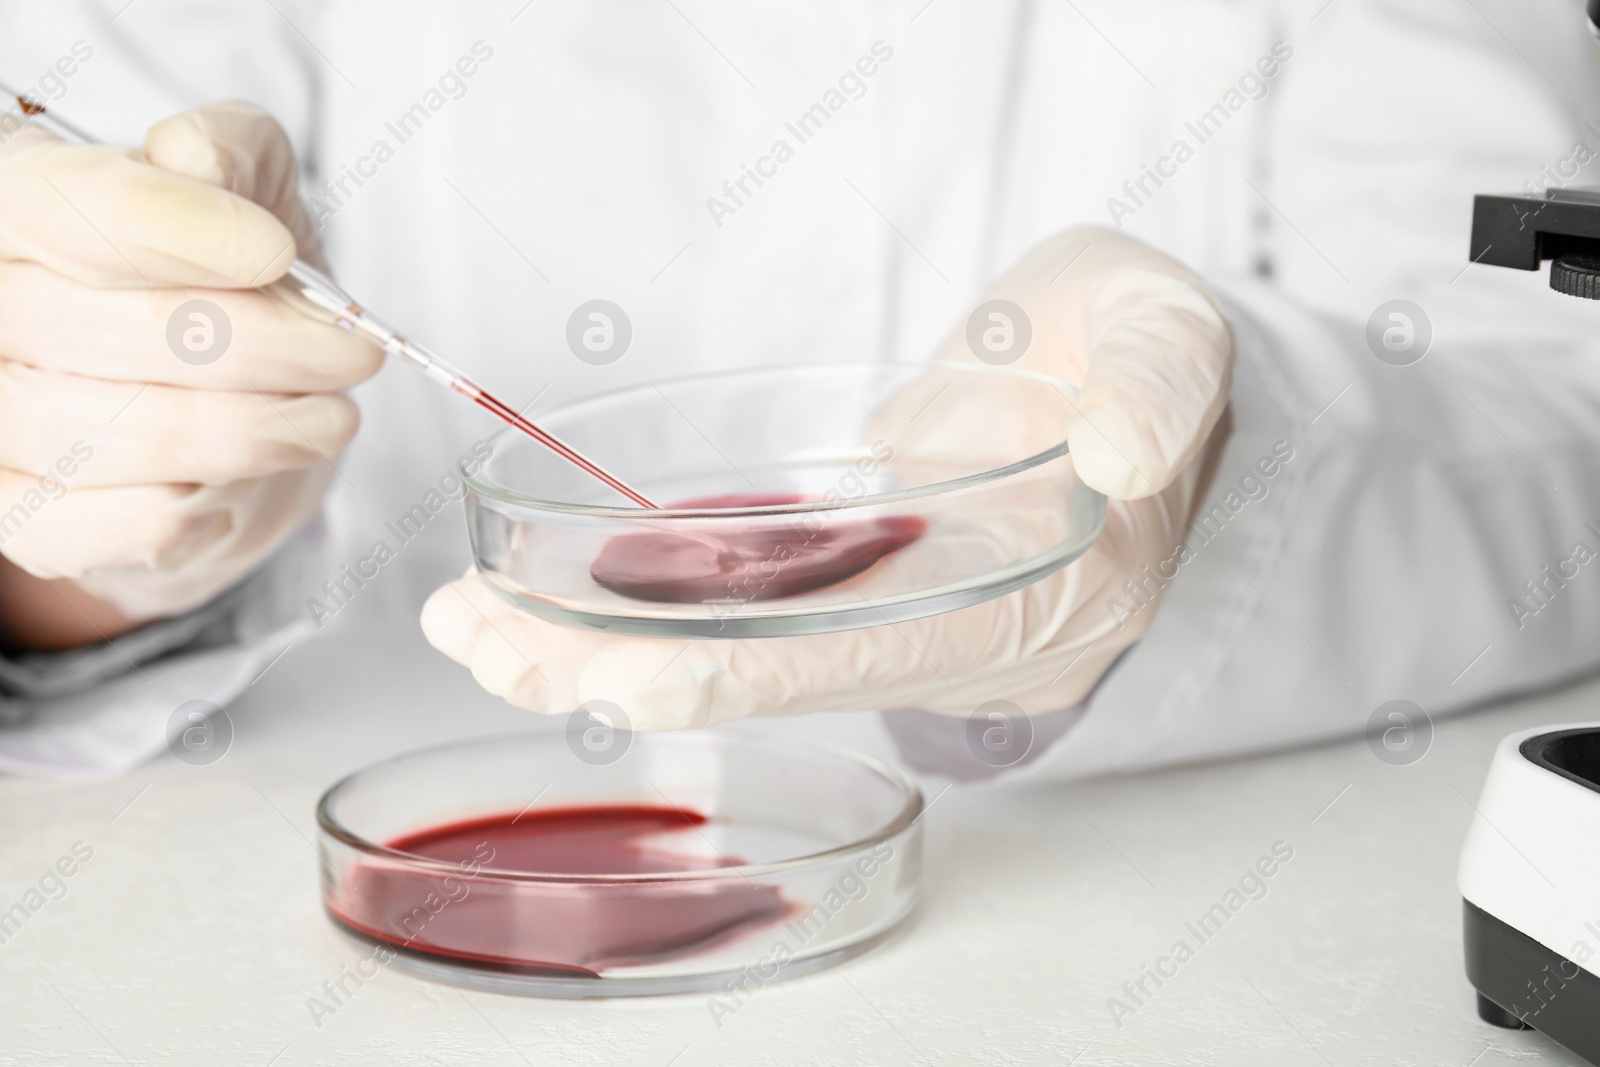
x,y
195,936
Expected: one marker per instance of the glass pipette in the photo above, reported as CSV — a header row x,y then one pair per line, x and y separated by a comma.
x,y
322,291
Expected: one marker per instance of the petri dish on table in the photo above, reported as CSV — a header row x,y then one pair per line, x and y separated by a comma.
x,y
656,863
797,499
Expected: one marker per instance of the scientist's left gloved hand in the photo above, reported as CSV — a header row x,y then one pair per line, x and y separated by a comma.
x,y
1153,356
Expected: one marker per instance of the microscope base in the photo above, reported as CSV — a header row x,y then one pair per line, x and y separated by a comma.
x,y
1522,984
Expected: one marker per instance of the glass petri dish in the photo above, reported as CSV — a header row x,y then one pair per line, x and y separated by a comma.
x,y
919,469
562,865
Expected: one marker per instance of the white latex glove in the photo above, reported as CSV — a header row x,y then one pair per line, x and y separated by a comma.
x,y
1153,354
171,480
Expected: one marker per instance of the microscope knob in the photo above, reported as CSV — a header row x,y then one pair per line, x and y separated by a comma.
x,y
1576,274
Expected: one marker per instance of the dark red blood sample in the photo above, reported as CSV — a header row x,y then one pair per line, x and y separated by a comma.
x,y
684,565
552,928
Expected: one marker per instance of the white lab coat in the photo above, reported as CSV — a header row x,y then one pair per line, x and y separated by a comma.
x,y
580,156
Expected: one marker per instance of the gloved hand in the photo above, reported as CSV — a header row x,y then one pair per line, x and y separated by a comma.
x,y
151,482
1153,355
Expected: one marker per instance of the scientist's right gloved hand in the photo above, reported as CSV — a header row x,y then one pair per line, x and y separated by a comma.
x,y
163,425
1152,354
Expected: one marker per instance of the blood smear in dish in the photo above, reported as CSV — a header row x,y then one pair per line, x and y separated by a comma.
x,y
457,909
761,562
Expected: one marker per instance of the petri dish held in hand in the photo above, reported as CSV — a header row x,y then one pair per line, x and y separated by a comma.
x,y
507,865
811,499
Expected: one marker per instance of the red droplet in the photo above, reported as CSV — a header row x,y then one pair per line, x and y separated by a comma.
x,y
685,565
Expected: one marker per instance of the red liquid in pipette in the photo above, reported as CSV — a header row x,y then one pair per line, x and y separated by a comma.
x,y
565,929
501,410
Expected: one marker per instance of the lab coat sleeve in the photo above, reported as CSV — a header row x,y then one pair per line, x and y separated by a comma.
x,y
107,708
114,68
50,675
1426,533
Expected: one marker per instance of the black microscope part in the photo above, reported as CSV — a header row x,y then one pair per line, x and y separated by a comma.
x,y
1577,274
1524,231
1563,226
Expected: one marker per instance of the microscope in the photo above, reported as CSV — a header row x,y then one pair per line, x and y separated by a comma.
x,y
1562,226
1530,866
